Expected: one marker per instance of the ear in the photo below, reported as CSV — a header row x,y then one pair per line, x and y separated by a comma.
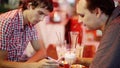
x,y
29,6
98,12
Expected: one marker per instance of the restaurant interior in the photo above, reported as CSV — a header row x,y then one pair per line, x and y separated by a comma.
x,y
61,27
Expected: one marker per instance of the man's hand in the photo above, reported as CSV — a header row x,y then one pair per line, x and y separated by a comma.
x,y
45,63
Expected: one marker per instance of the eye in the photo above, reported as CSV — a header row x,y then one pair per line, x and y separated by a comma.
x,y
77,1
82,15
41,13
42,16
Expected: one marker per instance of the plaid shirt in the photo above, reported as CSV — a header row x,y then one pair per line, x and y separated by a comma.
x,y
14,36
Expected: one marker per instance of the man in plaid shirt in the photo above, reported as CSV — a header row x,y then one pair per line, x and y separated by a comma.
x,y
17,29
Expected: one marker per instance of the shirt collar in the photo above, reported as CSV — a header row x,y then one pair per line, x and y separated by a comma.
x,y
21,20
115,13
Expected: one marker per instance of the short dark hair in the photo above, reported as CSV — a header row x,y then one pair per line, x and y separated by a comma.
x,y
48,4
107,6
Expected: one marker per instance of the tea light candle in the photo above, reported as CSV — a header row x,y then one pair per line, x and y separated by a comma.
x,y
70,57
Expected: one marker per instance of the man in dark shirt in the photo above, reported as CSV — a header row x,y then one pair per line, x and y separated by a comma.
x,y
102,14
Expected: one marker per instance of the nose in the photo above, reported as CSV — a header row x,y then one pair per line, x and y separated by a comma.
x,y
42,17
80,19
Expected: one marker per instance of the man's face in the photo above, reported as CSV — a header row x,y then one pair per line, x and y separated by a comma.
x,y
88,18
36,15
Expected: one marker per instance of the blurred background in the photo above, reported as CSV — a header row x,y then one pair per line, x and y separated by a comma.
x,y
61,21
6,5
57,26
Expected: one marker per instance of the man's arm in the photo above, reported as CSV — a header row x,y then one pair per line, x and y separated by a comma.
x,y
40,49
41,64
3,55
84,61
9,64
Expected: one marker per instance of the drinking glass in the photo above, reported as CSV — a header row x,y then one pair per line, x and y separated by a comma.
x,y
73,39
60,51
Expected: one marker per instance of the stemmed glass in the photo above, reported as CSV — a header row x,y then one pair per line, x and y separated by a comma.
x,y
69,51
73,39
75,50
